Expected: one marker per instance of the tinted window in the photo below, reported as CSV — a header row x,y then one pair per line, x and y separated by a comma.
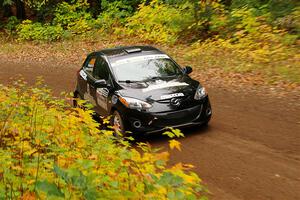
x,y
90,64
101,69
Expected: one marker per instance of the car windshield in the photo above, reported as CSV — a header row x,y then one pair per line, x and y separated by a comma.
x,y
144,68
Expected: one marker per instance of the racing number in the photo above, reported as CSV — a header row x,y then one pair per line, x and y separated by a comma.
x,y
101,96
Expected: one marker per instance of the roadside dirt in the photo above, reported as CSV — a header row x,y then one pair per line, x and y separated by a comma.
x,y
250,150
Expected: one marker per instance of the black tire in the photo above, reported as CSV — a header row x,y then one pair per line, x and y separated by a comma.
x,y
205,124
118,124
75,97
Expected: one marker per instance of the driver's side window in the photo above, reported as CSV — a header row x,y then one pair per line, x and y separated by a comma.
x,y
90,65
101,69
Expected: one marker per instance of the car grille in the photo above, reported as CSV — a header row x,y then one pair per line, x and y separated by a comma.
x,y
177,117
185,102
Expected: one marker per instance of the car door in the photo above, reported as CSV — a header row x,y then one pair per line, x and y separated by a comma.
x,y
84,73
100,93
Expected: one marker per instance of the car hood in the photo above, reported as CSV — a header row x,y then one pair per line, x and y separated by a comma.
x,y
160,89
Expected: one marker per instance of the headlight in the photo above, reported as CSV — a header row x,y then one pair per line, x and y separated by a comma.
x,y
135,103
200,93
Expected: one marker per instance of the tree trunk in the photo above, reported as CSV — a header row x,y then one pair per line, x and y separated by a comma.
x,y
20,6
227,3
95,7
7,11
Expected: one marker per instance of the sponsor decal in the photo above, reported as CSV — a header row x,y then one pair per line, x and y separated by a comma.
x,y
83,74
101,95
170,96
87,95
164,85
139,58
102,92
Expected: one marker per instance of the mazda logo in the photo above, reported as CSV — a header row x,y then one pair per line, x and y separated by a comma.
x,y
175,102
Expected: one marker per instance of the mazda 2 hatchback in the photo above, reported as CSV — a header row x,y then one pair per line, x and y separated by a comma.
x,y
143,89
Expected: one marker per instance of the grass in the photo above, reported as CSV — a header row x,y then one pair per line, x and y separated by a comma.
x,y
271,68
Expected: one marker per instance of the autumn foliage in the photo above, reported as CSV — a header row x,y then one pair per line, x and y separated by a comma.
x,y
249,37
50,150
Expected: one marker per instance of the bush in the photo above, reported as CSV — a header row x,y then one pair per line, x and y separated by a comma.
x,y
49,150
73,17
69,19
290,22
11,24
159,22
28,30
115,14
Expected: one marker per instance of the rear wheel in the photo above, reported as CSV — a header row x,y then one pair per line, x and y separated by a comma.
x,y
75,97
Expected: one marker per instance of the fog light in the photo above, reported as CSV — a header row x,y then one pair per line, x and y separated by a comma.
x,y
208,111
137,124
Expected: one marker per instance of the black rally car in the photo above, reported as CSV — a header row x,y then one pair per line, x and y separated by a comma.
x,y
143,89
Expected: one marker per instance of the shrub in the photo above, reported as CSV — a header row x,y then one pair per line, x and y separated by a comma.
x,y
49,150
73,17
290,22
159,22
115,14
28,30
69,19
265,55
11,24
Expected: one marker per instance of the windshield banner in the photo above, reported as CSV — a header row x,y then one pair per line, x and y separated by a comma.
x,y
139,58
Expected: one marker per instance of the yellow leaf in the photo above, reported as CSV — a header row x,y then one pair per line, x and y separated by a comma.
x,y
188,166
162,156
162,190
175,144
17,168
93,157
30,182
189,179
37,141
178,166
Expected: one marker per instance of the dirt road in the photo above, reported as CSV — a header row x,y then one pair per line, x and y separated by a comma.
x,y
251,150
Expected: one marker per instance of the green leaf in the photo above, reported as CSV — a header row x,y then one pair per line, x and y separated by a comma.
x,y
179,195
114,184
79,181
170,179
49,188
60,173
91,194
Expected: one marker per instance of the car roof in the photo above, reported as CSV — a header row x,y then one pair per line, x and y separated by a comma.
x,y
129,51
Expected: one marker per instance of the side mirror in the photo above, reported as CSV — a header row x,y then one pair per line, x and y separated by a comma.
x,y
187,70
100,83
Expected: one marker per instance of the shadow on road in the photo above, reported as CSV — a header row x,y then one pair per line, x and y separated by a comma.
x,y
159,137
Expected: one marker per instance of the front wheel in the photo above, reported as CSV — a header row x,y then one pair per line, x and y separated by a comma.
x,y
117,123
205,124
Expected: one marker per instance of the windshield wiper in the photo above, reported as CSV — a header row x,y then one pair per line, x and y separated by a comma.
x,y
147,79
160,77
129,81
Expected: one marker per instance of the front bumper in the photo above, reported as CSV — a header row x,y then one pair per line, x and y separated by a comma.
x,y
150,122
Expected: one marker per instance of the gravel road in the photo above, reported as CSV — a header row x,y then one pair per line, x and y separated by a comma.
x,y
250,150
